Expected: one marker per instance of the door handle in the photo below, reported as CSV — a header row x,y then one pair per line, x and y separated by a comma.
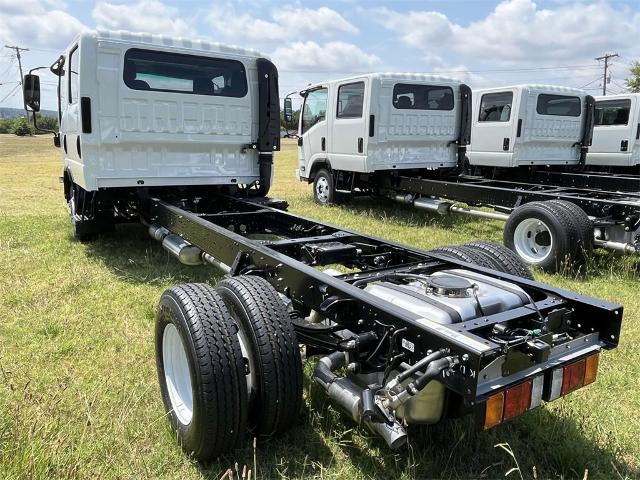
x,y
624,145
505,144
360,145
323,143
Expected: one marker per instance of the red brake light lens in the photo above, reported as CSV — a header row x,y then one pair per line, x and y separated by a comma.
x,y
517,400
573,376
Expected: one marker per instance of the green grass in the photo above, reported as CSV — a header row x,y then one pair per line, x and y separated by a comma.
x,y
78,389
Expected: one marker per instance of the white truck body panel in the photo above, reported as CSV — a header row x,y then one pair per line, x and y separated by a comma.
x,y
616,134
155,137
509,130
400,138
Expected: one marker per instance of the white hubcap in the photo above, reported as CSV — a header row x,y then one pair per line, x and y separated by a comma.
x,y
322,189
533,240
177,375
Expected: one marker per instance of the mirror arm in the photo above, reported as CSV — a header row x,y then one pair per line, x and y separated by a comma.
x,y
286,123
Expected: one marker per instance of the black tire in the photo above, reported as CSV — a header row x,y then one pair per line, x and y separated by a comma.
x,y
324,188
276,397
217,369
508,260
81,229
466,254
559,241
583,225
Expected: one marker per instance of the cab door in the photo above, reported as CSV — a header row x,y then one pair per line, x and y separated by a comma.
x,y
313,142
494,129
348,139
613,133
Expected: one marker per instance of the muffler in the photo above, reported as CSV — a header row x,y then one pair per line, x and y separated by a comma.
x,y
185,252
348,396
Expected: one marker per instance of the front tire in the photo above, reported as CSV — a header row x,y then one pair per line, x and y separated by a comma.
x,y
324,189
201,370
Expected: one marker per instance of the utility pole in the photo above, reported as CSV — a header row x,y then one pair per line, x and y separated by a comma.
x,y
18,50
606,58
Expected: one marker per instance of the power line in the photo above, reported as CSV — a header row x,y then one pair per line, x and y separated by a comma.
x,y
11,93
18,50
606,58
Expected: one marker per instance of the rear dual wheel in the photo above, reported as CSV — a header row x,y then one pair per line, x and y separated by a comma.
x,y
550,235
228,363
489,255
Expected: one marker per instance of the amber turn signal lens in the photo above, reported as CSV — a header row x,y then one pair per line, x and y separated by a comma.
x,y
591,369
493,410
573,377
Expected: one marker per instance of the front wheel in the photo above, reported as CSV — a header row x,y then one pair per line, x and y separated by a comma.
x,y
324,189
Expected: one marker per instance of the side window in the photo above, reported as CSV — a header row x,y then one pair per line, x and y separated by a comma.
x,y
496,107
612,112
179,73
314,109
408,96
350,100
559,105
73,75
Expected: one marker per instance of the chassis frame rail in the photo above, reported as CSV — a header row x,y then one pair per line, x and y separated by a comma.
x,y
253,237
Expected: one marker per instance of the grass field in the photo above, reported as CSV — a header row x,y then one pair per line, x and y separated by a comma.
x,y
78,390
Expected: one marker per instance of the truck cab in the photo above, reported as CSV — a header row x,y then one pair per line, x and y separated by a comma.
x,y
616,135
525,125
146,112
381,122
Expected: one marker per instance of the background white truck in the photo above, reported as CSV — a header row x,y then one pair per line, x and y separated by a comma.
x,y
380,122
527,125
139,111
616,135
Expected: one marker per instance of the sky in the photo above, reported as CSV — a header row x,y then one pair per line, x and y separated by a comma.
x,y
484,43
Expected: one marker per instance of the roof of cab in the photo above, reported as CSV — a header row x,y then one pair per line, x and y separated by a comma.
x,y
141,38
413,77
536,87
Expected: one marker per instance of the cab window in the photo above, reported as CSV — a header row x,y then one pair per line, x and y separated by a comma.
x,y
495,107
350,100
408,96
558,105
179,73
314,109
73,75
612,112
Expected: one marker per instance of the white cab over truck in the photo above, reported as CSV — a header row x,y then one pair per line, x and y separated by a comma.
x,y
616,135
526,125
139,111
380,122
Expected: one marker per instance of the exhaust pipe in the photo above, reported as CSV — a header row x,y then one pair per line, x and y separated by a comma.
x,y
444,208
185,252
348,396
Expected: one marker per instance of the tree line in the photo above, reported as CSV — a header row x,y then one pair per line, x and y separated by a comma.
x,y
21,126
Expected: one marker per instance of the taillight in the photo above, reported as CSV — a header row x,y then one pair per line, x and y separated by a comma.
x,y
573,377
493,410
516,400
591,369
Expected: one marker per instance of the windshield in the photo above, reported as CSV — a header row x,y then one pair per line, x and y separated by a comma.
x,y
315,108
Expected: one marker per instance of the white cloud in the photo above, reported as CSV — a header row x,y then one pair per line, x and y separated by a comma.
x,y
284,24
37,23
519,31
150,16
329,57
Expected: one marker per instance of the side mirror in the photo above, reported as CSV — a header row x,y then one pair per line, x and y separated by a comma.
x,y
288,110
31,91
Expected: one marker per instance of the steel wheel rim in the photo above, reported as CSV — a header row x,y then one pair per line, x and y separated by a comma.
x,y
527,240
250,376
177,374
322,189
